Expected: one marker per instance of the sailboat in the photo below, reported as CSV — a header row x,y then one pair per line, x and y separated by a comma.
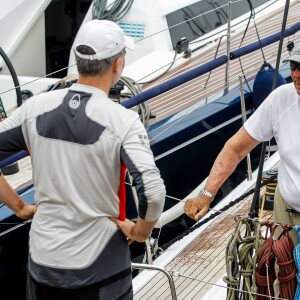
x,y
189,123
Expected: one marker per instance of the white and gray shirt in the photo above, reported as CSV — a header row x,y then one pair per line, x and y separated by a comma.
x,y
77,138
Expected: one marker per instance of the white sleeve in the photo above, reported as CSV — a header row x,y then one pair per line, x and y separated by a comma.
x,y
260,123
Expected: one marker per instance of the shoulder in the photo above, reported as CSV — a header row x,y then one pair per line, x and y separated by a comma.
x,y
43,102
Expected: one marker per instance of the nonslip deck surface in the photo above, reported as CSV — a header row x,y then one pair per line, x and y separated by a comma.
x,y
201,264
199,90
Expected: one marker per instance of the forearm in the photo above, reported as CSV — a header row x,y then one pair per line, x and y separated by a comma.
x,y
9,197
141,230
223,167
233,152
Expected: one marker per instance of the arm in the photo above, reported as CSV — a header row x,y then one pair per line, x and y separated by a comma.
x,y
139,160
235,149
138,231
11,199
11,135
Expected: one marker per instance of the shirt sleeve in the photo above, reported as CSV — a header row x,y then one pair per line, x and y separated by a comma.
x,y
260,123
11,136
139,160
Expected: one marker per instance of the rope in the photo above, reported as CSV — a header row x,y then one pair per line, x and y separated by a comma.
x,y
281,250
265,270
269,192
241,257
134,89
175,273
114,12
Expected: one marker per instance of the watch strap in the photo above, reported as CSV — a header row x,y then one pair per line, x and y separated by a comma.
x,y
207,193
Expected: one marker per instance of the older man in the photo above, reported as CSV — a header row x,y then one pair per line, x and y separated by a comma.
x,y
278,116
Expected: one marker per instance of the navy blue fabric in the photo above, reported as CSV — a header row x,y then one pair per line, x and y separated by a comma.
x,y
174,82
11,142
263,42
138,182
9,160
69,122
116,253
263,83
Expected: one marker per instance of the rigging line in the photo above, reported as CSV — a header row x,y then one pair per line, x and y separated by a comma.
x,y
236,24
197,107
176,273
221,212
252,16
21,85
173,26
233,80
193,87
169,65
15,227
233,2
171,197
268,283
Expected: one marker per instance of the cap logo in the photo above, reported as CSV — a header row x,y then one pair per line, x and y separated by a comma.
x,y
74,103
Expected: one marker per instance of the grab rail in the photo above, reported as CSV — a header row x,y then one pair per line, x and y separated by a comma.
x,y
160,269
202,69
181,79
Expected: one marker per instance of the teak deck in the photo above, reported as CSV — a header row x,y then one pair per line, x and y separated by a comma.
x,y
195,91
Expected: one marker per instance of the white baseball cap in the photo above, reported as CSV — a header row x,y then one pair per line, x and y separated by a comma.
x,y
105,37
295,55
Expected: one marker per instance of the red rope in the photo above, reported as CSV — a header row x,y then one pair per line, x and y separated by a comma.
x,y
266,258
282,250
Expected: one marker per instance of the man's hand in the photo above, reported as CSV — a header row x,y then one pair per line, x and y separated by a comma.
x,y
126,227
138,231
12,200
197,207
26,211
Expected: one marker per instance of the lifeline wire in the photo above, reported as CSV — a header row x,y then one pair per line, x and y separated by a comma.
x,y
175,273
1,93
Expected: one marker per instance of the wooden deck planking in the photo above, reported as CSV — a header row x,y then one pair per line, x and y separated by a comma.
x,y
203,260
194,92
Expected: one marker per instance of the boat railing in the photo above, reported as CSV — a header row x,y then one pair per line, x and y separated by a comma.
x,y
205,68
186,77
160,269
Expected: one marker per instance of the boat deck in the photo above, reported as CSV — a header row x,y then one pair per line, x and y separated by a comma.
x,y
201,264
200,90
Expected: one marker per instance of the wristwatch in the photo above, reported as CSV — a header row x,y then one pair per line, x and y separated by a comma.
x,y
206,193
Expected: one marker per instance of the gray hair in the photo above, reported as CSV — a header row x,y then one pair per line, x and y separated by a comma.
x,y
88,67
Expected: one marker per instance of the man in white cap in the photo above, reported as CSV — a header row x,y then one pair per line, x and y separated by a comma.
x,y
278,116
79,141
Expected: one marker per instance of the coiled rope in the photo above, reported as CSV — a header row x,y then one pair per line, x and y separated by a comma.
x,y
241,258
281,250
114,11
265,270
